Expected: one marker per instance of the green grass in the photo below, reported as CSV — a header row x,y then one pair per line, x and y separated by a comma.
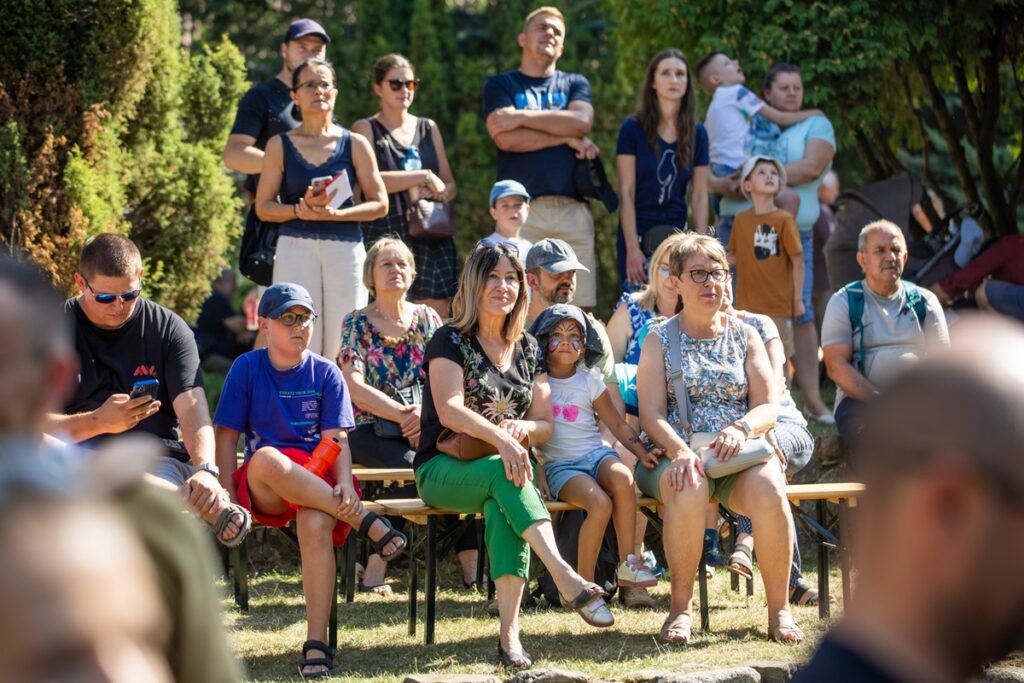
x,y
374,643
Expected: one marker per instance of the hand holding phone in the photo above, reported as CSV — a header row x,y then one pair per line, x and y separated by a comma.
x,y
319,185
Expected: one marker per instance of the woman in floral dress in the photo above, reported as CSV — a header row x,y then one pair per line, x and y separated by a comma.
x,y
483,382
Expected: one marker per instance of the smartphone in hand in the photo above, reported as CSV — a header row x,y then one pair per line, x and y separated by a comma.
x,y
319,185
146,387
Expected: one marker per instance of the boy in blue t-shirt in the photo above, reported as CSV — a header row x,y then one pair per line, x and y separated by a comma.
x,y
285,399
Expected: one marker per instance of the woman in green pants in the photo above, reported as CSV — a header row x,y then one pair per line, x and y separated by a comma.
x,y
482,381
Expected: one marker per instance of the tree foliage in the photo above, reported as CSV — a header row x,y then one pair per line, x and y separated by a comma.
x,y
110,126
888,77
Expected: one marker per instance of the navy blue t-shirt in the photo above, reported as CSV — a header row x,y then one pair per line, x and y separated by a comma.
x,y
547,171
836,663
265,111
299,174
283,408
660,190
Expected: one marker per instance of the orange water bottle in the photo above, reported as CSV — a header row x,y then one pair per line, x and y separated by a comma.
x,y
324,455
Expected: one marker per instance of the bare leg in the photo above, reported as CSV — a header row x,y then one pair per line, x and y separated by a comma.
x,y
759,493
468,561
617,480
981,297
640,525
684,531
805,358
584,492
508,590
318,572
541,537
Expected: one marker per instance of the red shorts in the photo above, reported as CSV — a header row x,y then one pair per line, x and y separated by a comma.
x,y
300,457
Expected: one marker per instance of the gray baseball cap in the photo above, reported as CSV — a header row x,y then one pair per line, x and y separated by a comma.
x,y
554,256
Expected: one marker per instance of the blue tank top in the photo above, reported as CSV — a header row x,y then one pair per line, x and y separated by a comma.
x,y
299,174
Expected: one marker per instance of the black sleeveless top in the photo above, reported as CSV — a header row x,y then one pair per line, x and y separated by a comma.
x,y
390,154
299,174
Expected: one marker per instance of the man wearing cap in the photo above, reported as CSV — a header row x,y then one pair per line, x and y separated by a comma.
x,y
539,118
551,267
266,110
285,400
123,339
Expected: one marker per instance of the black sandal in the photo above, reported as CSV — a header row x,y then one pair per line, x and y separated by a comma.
x,y
381,543
327,661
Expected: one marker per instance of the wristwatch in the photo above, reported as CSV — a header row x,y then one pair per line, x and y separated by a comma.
x,y
207,467
745,426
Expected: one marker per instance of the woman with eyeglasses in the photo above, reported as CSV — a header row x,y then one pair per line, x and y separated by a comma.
x,y
483,383
320,246
661,152
395,134
728,379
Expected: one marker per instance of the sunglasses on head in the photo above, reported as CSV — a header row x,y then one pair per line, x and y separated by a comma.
x,y
111,298
491,243
397,84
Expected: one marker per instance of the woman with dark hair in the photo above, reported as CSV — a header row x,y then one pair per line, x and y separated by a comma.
x,y
320,247
396,134
484,382
660,149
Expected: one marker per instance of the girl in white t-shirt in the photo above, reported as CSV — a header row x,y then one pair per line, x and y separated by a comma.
x,y
577,465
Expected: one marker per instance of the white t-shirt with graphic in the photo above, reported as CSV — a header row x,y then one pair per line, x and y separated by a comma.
x,y
729,124
572,402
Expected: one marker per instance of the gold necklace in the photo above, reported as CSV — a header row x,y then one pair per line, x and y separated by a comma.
x,y
380,313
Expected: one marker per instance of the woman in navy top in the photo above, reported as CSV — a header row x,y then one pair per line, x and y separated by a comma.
x,y
320,247
660,149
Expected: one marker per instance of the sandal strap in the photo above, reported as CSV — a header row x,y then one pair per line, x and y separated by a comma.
x,y
317,645
224,519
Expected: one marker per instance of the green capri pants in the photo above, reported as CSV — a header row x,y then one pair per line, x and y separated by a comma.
x,y
477,486
649,482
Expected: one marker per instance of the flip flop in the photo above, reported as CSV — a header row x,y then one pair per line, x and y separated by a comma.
x,y
676,629
224,519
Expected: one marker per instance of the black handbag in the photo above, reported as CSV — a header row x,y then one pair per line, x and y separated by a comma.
x,y
257,249
411,395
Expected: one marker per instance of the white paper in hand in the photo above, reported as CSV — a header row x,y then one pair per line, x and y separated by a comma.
x,y
342,189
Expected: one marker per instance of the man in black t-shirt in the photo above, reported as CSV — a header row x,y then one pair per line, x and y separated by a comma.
x,y
938,549
122,339
266,110
539,118
221,332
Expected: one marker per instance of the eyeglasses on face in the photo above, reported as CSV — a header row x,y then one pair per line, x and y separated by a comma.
x,y
315,85
397,84
700,276
303,320
103,298
491,243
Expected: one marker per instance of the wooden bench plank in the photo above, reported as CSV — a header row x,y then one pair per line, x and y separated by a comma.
x,y
382,474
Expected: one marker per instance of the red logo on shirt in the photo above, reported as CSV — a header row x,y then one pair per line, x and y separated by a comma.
x,y
145,371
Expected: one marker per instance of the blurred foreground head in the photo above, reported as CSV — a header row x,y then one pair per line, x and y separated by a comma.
x,y
940,540
79,599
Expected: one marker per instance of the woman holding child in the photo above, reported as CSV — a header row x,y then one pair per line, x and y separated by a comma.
x,y
484,386
394,131
728,382
382,350
660,149
320,247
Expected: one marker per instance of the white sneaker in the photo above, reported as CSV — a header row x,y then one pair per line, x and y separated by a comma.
x,y
824,418
635,573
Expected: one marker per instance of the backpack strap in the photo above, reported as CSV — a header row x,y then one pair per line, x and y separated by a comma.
x,y
855,302
916,302
675,368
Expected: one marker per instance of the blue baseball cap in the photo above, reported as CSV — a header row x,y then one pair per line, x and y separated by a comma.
x,y
282,296
301,28
508,188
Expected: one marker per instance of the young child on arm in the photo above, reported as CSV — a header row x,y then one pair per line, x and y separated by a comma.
x,y
285,399
577,466
765,248
729,122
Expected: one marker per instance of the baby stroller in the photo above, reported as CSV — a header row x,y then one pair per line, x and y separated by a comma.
x,y
931,258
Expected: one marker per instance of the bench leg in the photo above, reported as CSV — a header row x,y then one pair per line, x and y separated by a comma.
x,y
350,567
844,548
734,578
240,562
823,611
413,579
431,580
332,626
702,585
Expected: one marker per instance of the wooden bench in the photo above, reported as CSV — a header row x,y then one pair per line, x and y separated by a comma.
x,y
843,493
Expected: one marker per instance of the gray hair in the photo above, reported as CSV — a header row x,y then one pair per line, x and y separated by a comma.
x,y
879,226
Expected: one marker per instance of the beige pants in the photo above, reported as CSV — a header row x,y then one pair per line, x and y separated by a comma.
x,y
332,271
570,220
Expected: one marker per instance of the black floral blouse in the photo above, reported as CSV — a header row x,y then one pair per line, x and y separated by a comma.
x,y
489,392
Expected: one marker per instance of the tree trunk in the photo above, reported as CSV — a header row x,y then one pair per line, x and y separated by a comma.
x,y
867,156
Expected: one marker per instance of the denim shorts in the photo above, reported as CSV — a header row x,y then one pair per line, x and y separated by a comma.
x,y
1006,297
557,472
720,171
807,242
